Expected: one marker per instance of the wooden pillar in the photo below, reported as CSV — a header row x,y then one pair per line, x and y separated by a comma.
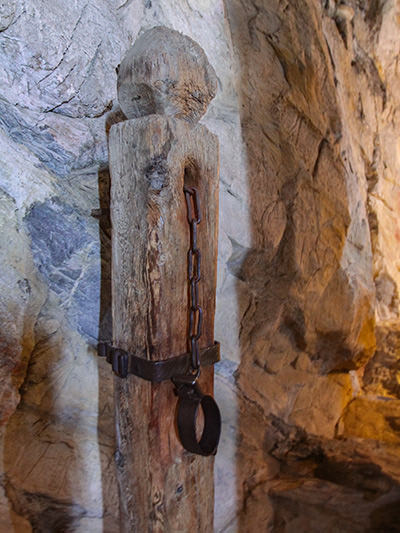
x,y
165,84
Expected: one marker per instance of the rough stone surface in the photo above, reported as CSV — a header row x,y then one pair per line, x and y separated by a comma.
x,y
307,116
22,297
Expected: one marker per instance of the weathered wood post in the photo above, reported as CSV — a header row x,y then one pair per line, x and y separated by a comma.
x,y
165,84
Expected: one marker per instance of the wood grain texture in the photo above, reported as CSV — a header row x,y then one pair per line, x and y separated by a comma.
x,y
162,487
166,73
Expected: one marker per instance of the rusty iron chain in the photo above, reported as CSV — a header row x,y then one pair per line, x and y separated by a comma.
x,y
191,398
194,276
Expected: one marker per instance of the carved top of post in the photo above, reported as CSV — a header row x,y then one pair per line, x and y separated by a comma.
x,y
166,73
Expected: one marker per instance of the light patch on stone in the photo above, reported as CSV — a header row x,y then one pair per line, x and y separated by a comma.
x,y
21,175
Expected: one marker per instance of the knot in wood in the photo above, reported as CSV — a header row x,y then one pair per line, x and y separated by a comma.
x,y
166,73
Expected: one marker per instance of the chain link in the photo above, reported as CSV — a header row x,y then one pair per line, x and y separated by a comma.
x,y
194,276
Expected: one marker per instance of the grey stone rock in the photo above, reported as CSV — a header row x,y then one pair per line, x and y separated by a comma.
x,y
21,297
68,259
7,13
71,69
37,140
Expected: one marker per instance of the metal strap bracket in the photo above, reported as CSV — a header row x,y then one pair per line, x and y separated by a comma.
x,y
124,363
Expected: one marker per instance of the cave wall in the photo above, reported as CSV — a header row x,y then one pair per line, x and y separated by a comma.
x,y
307,114
319,360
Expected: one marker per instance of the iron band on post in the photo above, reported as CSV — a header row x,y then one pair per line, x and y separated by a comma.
x,y
190,396
124,363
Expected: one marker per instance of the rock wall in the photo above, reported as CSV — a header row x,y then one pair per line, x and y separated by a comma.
x,y
307,114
